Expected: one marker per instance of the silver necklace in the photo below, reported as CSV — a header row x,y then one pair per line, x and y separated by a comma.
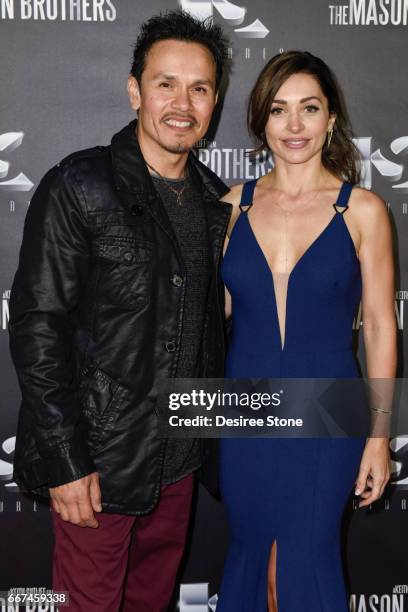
x,y
287,214
178,192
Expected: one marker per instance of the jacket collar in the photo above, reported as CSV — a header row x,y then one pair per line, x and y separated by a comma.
x,y
135,186
131,174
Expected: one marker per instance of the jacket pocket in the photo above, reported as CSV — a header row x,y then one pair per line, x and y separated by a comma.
x,y
125,271
100,398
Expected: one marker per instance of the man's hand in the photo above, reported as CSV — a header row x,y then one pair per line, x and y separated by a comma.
x,y
77,501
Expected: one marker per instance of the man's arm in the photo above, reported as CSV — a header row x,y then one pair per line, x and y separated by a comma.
x,y
52,272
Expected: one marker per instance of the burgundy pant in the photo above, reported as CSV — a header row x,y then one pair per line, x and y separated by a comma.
x,y
127,564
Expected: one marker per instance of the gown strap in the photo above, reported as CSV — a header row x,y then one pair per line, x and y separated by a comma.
x,y
247,195
343,198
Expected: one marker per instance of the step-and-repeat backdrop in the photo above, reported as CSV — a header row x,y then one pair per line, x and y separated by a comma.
x,y
63,71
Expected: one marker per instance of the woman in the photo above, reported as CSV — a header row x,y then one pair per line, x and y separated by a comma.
x,y
304,247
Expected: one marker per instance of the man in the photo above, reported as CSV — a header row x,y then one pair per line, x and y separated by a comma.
x,y
116,289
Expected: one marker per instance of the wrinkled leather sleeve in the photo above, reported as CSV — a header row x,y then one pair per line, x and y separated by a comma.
x,y
52,271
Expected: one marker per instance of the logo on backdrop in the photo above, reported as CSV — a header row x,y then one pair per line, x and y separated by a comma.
x,y
232,13
391,170
8,142
5,309
195,598
65,10
401,296
399,462
237,164
6,464
369,13
379,603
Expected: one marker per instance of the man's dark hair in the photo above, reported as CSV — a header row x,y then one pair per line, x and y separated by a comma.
x,y
180,25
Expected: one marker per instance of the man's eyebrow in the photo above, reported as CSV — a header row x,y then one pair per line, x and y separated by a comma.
x,y
301,101
204,82
172,77
162,75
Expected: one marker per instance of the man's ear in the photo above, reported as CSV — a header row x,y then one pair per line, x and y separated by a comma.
x,y
133,90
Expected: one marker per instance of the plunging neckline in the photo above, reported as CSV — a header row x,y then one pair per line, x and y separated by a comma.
x,y
247,202
298,261
294,268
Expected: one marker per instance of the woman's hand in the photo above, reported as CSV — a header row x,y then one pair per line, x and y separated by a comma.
x,y
374,471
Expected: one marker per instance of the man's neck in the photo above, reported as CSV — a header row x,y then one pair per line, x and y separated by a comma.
x,y
164,163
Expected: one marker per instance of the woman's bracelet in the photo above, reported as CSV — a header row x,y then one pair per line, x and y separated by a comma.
x,y
380,410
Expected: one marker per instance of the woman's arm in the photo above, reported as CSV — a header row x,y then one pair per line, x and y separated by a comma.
x,y
379,331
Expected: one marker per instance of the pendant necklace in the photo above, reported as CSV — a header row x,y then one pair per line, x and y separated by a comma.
x,y
287,214
178,192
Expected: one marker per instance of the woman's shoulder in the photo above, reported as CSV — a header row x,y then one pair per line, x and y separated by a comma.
x,y
369,210
366,198
366,203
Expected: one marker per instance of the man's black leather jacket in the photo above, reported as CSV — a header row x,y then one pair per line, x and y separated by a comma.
x,y
96,314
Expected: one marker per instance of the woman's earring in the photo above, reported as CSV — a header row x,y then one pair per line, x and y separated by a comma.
x,y
329,137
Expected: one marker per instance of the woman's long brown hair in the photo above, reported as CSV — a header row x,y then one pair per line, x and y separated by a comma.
x,y
342,158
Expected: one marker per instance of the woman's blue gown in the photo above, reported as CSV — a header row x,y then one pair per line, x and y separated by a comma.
x,y
289,490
